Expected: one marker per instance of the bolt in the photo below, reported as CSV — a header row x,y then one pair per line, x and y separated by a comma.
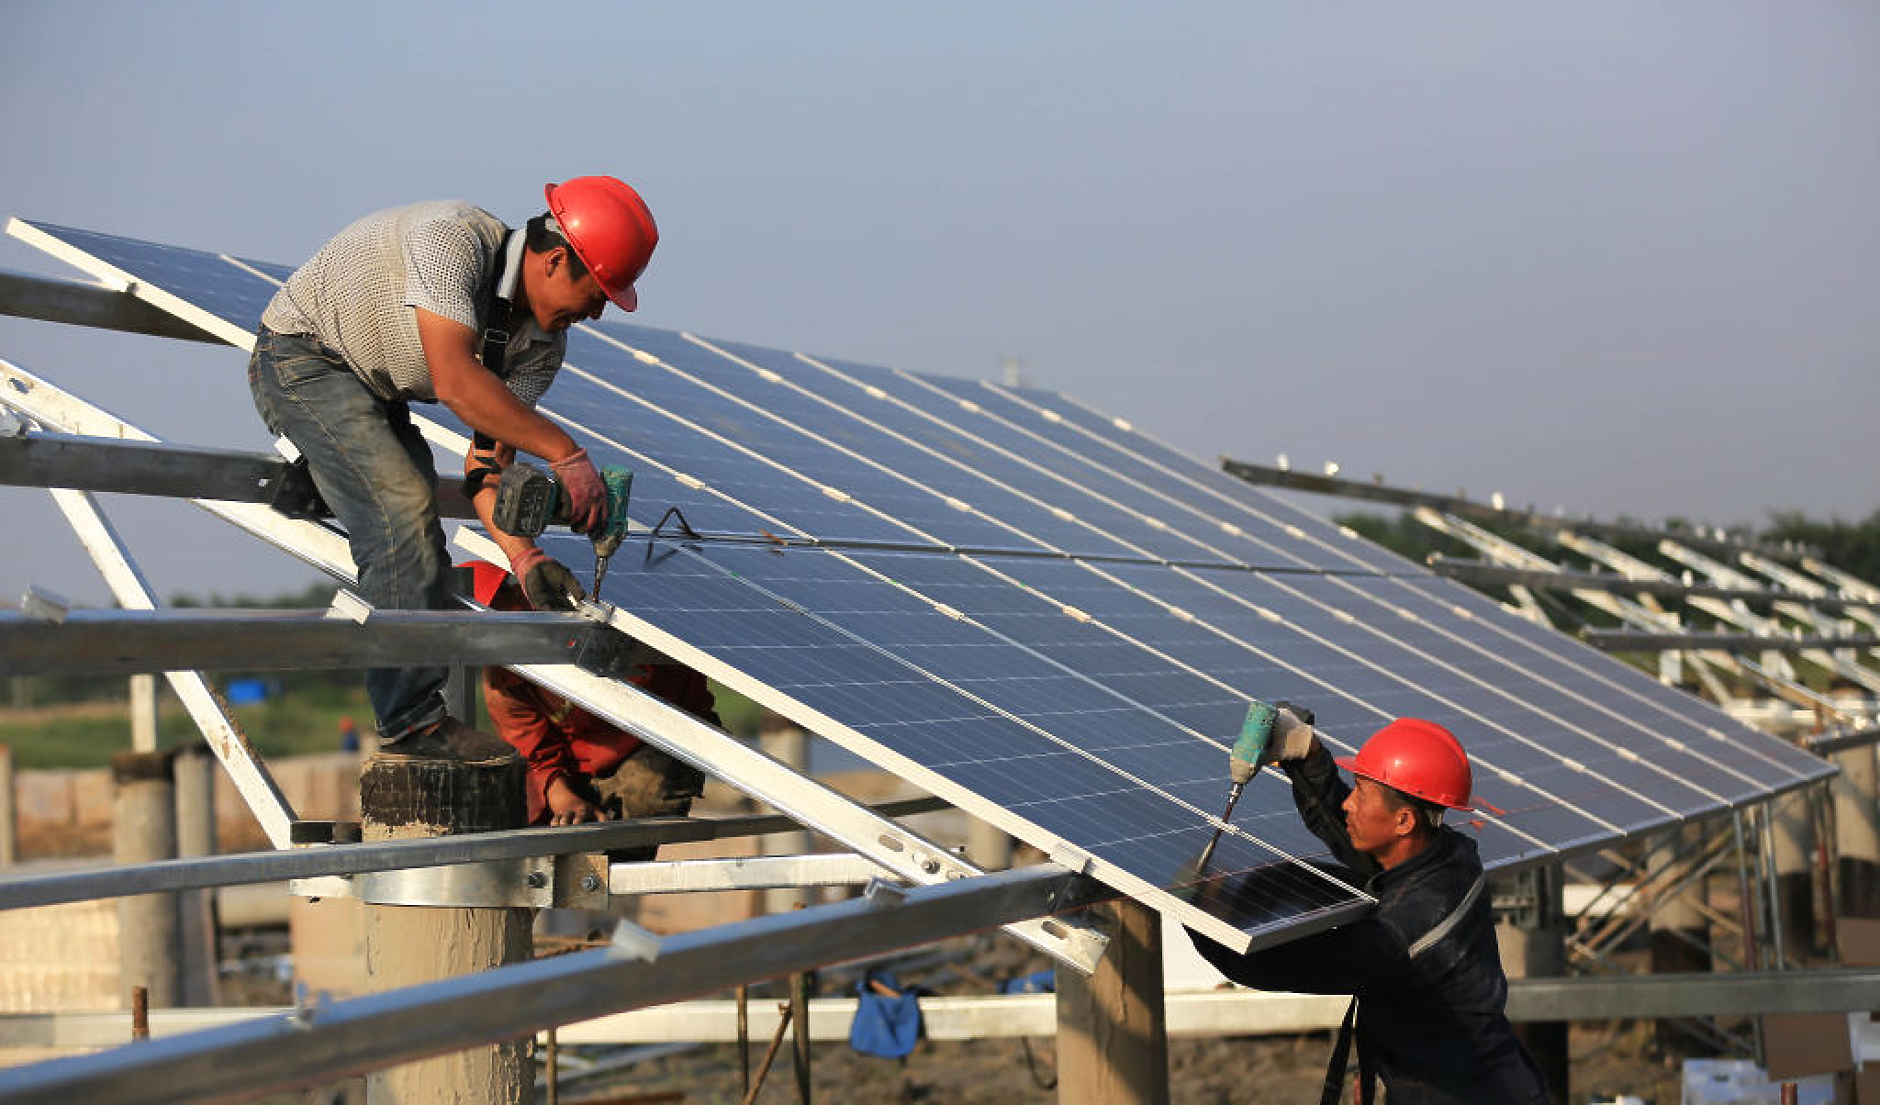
x,y
590,883
931,866
537,880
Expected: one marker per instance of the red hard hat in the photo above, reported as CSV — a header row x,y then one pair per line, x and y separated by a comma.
x,y
610,229
1420,758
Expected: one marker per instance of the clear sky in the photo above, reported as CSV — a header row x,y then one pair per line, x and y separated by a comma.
x,y
1611,256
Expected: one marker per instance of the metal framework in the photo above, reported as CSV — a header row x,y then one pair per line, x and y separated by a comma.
x,y
79,463
1234,1012
313,1045
165,876
891,845
1529,518
95,305
1627,640
125,642
1480,572
943,895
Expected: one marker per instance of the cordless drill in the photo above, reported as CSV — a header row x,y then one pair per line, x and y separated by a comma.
x,y
1256,731
529,500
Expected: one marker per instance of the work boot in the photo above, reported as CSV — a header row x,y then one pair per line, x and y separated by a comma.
x,y
450,739
648,783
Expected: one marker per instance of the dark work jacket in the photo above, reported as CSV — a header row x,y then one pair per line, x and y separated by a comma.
x,y
1433,1026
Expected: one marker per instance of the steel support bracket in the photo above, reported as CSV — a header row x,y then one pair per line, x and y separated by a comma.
x,y
576,881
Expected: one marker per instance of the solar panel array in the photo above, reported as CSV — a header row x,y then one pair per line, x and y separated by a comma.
x,y
1056,622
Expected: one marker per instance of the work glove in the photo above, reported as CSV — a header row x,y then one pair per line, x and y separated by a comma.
x,y
587,495
545,582
1292,733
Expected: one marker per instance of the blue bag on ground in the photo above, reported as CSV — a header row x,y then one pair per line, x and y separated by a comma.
x,y
884,1026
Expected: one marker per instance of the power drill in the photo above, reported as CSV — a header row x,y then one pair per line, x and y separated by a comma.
x,y
529,500
1256,732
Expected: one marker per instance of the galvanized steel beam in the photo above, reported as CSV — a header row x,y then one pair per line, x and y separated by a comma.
x,y
316,1044
349,859
690,876
84,463
1631,640
91,305
1210,1013
123,642
1476,571
1460,505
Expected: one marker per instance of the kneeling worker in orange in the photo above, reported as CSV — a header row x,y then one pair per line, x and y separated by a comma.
x,y
581,768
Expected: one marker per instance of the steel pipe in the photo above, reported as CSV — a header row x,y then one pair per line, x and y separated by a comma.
x,y
313,1045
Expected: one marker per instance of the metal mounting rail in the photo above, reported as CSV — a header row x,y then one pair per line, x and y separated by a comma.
x,y
350,859
1468,508
1476,571
1234,1012
1623,640
1827,744
1633,614
124,642
313,1045
93,305
84,463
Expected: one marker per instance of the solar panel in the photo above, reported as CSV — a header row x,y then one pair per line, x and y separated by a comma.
x,y
1056,622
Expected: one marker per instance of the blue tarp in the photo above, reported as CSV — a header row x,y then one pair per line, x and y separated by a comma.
x,y
884,1026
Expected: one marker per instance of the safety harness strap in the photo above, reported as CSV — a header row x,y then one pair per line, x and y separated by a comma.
x,y
499,307
1341,1051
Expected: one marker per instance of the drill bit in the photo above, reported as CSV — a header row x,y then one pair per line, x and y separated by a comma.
x,y
1207,853
1245,760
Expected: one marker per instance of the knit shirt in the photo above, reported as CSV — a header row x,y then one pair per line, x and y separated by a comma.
x,y
356,296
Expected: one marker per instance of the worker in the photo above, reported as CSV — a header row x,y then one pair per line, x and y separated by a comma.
x,y
442,302
1423,968
581,768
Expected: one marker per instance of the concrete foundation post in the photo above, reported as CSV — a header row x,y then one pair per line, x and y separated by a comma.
x,y
144,713
407,945
789,745
1112,1042
194,773
988,847
1680,936
143,830
1857,833
9,811
1792,835
1532,941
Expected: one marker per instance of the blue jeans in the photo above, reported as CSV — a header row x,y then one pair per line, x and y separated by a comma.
x,y
375,472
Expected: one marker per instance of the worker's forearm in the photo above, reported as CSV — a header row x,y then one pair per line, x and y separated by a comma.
x,y
475,395
486,405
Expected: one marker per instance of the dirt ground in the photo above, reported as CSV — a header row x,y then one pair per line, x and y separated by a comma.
x,y
1608,1058
1607,1061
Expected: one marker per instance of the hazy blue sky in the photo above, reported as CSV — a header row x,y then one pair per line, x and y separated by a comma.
x,y
1619,257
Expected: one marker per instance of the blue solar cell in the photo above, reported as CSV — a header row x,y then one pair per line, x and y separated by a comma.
x,y
955,699
1002,485
665,455
907,512
1174,479
206,280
